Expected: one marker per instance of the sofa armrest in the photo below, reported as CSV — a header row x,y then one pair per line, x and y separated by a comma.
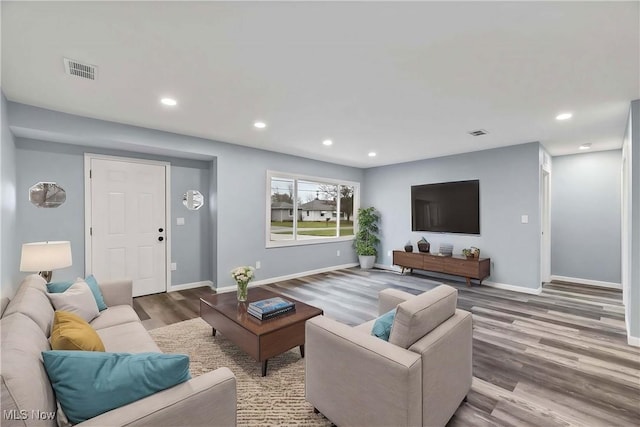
x,y
371,383
117,292
208,400
388,299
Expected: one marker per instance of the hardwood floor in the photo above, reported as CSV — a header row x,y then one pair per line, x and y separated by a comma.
x,y
555,359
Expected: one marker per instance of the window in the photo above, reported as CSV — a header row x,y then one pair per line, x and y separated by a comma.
x,y
320,209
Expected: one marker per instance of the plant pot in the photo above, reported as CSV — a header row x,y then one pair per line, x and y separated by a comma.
x,y
366,261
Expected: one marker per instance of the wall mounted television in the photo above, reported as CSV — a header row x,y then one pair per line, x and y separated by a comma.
x,y
446,207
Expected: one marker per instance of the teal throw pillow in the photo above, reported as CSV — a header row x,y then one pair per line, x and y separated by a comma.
x,y
89,383
382,326
60,287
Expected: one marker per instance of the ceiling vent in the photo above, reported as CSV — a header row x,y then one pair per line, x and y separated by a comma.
x,y
478,132
78,69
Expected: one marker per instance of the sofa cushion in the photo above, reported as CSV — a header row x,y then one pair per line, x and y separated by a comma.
x,y
71,332
25,385
59,287
77,299
128,337
420,315
115,315
382,325
88,384
31,300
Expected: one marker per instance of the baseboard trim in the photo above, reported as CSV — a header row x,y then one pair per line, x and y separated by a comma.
x,y
634,341
288,277
192,285
388,267
587,282
513,288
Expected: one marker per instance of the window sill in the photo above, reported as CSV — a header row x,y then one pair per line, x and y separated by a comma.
x,y
311,241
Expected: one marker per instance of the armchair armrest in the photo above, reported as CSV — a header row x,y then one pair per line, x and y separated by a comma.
x,y
389,298
354,378
208,400
117,292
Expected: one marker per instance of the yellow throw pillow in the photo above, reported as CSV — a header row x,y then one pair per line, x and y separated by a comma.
x,y
71,332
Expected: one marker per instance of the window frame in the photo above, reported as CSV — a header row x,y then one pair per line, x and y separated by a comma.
x,y
308,241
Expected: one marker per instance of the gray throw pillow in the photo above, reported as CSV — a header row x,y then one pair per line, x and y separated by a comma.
x,y
78,299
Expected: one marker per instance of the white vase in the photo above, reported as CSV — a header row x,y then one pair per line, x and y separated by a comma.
x,y
366,261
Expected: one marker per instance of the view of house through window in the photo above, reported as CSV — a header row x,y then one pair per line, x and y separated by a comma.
x,y
304,209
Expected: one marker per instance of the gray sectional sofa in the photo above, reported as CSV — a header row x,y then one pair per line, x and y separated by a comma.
x,y
27,396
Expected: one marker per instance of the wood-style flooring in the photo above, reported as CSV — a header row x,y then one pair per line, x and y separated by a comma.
x,y
555,359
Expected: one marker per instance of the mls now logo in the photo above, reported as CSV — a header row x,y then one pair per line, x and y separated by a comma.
x,y
15,414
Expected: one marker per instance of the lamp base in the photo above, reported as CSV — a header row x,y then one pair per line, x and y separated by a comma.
x,y
46,275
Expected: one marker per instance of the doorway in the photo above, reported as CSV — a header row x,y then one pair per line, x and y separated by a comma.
x,y
126,227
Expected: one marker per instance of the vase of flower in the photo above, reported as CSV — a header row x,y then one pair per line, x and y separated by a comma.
x,y
242,275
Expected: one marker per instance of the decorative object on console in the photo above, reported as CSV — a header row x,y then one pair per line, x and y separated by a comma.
x,y
446,249
475,252
408,247
366,240
44,257
193,200
47,195
468,253
424,245
242,275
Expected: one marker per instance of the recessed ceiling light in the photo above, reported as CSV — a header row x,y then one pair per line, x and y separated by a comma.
x,y
585,146
564,116
169,101
372,154
327,142
260,125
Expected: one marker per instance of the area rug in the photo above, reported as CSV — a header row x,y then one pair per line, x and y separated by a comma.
x,y
277,399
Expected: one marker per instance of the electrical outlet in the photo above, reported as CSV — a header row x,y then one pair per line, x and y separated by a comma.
x,y
338,253
388,253
174,266
257,265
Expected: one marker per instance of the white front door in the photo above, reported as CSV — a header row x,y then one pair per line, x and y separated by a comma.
x,y
128,223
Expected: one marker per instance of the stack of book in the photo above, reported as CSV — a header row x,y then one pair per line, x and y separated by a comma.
x,y
270,308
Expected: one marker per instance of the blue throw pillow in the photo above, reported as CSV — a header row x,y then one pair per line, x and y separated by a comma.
x,y
89,383
382,326
60,287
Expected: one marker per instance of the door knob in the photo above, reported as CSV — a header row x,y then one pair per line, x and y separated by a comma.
x,y
160,239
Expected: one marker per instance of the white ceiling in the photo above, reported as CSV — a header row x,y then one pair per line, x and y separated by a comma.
x,y
407,80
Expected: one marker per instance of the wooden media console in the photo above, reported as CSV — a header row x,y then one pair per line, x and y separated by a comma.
x,y
476,268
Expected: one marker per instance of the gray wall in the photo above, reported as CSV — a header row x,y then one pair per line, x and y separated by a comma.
x,y
586,216
509,187
9,258
238,217
64,164
633,319
194,236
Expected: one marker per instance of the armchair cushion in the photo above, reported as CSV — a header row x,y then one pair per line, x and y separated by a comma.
x,y
382,325
418,316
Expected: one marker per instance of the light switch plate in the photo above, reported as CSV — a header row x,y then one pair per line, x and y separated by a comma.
x,y
174,266
524,219
179,221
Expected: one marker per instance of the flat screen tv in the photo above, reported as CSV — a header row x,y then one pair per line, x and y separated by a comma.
x,y
446,207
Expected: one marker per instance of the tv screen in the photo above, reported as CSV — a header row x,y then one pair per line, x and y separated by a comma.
x,y
447,207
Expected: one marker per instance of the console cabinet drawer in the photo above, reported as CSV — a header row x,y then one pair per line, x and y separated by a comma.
x,y
433,263
460,267
408,259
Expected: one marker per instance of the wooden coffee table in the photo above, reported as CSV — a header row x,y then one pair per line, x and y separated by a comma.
x,y
262,340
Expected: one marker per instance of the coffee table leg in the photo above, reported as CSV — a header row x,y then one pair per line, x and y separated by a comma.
x,y
264,368
302,351
213,332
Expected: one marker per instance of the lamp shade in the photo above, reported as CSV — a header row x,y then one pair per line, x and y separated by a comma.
x,y
45,256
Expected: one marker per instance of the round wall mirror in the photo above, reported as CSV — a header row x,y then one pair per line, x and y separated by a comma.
x,y
193,200
47,195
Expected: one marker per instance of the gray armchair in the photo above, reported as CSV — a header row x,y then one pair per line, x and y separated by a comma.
x,y
417,378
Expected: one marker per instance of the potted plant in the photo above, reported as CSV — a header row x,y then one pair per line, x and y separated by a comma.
x,y
366,241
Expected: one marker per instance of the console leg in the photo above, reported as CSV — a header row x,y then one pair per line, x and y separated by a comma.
x,y
264,368
468,282
302,351
213,332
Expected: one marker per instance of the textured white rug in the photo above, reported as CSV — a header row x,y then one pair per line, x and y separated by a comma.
x,y
277,399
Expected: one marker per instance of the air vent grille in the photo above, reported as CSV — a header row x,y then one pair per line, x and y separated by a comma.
x,y
78,69
478,132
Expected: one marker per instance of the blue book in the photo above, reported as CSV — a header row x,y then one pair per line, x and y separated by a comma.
x,y
270,304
